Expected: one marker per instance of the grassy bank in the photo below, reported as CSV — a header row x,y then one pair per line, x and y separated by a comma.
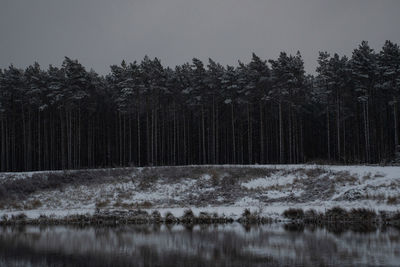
x,y
226,190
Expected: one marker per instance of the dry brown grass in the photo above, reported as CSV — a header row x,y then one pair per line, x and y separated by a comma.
x,y
133,205
379,175
367,176
392,200
20,189
33,204
102,203
215,177
15,205
309,172
377,197
124,195
145,205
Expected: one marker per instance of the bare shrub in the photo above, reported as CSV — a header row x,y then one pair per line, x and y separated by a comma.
x,y
362,214
293,214
188,216
156,216
336,214
19,217
312,215
169,218
205,217
246,213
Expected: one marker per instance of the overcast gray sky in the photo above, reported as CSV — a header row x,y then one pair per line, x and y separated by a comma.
x,y
103,32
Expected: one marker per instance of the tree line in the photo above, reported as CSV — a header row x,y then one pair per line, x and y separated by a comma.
x,y
142,113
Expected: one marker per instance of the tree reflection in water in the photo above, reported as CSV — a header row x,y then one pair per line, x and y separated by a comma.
x,y
212,245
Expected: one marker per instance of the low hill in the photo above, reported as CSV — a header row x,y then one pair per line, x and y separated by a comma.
x,y
225,189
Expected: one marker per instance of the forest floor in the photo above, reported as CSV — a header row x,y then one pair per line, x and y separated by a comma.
x,y
225,189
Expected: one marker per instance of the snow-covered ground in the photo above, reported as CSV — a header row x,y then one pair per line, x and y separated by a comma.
x,y
225,189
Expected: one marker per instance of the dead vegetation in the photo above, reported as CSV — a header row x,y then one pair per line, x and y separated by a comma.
x,y
17,189
338,220
133,205
293,214
189,185
32,204
345,177
392,200
102,203
119,217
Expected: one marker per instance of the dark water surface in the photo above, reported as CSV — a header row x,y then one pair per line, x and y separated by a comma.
x,y
222,245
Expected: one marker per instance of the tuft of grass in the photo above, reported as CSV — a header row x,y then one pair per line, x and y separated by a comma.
x,y
392,200
215,177
367,176
145,205
379,175
102,203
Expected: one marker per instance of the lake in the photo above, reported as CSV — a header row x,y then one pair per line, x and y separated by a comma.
x,y
210,245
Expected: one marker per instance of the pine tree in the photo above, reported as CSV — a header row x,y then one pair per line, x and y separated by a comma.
x,y
364,72
389,70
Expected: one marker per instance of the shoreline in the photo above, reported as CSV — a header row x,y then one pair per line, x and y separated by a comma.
x,y
202,194
358,219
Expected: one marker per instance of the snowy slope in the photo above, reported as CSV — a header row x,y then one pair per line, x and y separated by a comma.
x,y
226,189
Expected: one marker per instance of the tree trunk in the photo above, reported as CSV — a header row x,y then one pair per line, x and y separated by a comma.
x,y
338,126
203,136
249,137
233,134
138,138
328,133
261,136
281,151
396,134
